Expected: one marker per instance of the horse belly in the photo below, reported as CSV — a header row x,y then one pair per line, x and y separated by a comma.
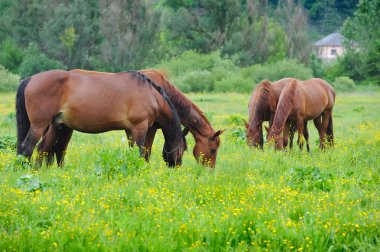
x,y
91,121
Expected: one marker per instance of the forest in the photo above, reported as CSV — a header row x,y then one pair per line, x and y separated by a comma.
x,y
230,45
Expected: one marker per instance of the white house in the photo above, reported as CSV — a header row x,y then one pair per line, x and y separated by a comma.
x,y
329,47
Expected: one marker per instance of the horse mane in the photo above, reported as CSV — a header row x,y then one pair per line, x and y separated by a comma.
x,y
176,122
181,102
284,106
145,78
263,90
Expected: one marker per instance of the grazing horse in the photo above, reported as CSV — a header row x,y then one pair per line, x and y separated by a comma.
x,y
206,138
262,107
51,104
302,101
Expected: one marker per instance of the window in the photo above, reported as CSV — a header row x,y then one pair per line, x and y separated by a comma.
x,y
333,52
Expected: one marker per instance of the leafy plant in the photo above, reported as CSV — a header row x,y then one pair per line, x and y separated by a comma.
x,y
309,179
20,163
239,133
8,142
112,162
30,183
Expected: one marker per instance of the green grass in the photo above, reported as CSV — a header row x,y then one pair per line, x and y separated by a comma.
x,y
106,199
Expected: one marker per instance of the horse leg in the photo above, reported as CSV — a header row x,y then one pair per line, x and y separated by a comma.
x,y
138,136
129,137
325,122
63,139
149,141
286,134
300,126
27,146
45,147
318,124
306,135
292,130
330,131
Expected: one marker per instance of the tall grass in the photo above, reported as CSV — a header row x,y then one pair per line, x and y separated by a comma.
x,y
253,200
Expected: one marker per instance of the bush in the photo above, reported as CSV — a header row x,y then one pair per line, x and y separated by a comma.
x,y
36,61
194,72
8,80
278,70
343,84
195,81
11,56
309,179
8,142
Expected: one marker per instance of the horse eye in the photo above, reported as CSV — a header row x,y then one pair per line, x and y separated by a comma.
x,y
213,151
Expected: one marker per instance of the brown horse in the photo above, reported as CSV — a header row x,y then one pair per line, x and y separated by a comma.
x,y
206,138
50,105
302,101
262,107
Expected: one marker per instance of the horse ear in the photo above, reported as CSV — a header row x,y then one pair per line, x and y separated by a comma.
x,y
267,129
246,123
218,133
185,131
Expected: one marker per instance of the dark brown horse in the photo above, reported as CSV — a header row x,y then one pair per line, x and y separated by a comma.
x,y
299,102
206,138
262,107
50,105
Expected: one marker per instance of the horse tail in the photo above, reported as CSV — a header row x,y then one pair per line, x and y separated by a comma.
x,y
23,123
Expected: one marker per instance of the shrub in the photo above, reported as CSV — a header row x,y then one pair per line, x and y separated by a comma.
x,y
194,72
36,61
194,81
8,142
11,56
234,82
343,84
278,70
8,80
118,162
309,179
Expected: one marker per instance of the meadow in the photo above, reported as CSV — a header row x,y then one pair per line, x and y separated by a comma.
x,y
106,198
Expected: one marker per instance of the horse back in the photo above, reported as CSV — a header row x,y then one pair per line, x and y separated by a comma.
x,y
315,95
279,85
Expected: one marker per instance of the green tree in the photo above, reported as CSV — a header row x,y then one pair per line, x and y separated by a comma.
x,y
206,24
36,61
129,30
71,32
293,18
363,28
11,56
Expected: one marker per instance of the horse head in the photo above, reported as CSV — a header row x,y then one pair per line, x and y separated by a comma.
x,y
274,136
254,134
206,150
172,152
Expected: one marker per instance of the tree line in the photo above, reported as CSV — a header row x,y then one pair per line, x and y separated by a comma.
x,y
118,35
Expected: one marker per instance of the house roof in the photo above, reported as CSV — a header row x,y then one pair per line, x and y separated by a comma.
x,y
334,39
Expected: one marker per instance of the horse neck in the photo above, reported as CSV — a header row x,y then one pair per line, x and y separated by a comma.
x,y
200,127
284,107
189,114
171,126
